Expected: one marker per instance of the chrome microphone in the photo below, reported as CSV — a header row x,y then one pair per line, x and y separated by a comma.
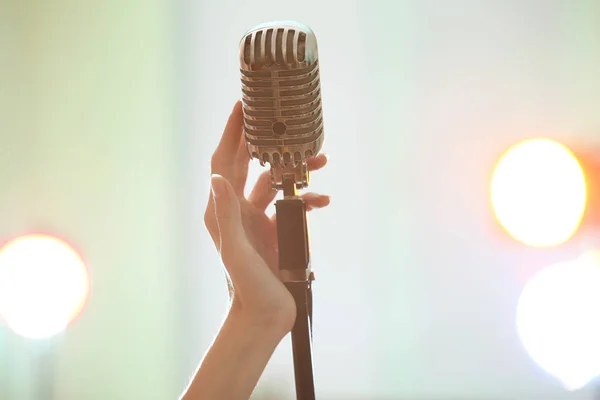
x,y
281,96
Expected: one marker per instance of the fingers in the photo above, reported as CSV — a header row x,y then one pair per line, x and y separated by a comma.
x,y
318,162
239,257
228,215
312,201
223,157
263,194
241,163
211,222
222,163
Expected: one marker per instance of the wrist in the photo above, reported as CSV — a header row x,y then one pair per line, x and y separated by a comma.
x,y
274,323
238,356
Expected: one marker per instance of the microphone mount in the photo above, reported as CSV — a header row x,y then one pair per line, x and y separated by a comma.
x,y
295,172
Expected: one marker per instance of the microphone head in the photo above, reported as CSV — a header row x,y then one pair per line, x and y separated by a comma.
x,y
281,96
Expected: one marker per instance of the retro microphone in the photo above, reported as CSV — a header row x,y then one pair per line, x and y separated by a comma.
x,y
283,126
281,96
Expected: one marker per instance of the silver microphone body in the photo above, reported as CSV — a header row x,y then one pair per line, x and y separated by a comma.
x,y
281,96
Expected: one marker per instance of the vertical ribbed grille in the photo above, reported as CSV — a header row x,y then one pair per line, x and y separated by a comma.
x,y
258,54
279,47
281,93
268,48
290,46
248,50
301,46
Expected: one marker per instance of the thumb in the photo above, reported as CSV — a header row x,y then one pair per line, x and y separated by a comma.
x,y
227,214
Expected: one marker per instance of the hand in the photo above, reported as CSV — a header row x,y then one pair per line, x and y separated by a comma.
x,y
262,310
245,236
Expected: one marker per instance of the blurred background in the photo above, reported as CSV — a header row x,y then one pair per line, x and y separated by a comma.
x,y
110,111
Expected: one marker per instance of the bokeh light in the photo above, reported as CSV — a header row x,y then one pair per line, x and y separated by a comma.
x,y
43,285
557,320
539,193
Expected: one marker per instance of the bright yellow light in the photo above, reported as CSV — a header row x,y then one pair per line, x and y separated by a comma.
x,y
43,285
556,323
539,192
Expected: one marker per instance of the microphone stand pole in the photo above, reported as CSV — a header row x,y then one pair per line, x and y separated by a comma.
x,y
294,265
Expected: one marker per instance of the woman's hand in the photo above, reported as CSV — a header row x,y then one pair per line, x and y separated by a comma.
x,y
245,236
262,310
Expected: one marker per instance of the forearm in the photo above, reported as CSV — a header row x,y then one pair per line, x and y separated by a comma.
x,y
236,360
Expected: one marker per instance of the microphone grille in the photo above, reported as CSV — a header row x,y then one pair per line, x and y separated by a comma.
x,y
281,93
282,46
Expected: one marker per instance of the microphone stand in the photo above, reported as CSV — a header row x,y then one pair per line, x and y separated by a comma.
x,y
294,265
